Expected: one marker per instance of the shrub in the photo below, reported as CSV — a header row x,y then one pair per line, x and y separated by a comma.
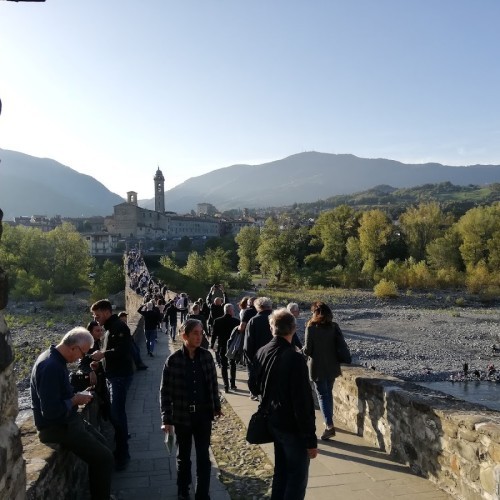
x,y
385,289
460,302
478,278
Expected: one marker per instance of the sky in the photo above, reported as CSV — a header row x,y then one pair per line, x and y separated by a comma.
x,y
114,89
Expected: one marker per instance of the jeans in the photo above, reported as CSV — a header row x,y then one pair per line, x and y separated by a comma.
x,y
118,388
85,442
200,429
172,325
224,365
324,390
151,336
291,466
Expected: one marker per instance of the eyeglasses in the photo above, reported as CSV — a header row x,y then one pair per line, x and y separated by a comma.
x,y
81,351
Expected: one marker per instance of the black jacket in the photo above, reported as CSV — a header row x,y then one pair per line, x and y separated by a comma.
x,y
257,333
279,374
117,347
222,331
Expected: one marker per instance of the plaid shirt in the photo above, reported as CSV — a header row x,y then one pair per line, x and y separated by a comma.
x,y
173,390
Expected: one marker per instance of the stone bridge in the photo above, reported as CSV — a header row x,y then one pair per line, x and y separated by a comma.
x,y
453,444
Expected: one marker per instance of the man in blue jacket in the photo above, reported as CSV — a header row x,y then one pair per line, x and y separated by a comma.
x,y
55,410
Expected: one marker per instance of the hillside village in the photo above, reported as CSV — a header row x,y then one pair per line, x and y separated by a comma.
x,y
132,225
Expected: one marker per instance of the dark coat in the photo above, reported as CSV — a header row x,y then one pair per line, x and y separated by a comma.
x,y
322,345
257,333
279,374
117,347
222,331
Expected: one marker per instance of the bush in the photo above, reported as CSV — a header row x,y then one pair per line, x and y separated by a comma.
x,y
460,302
478,278
385,289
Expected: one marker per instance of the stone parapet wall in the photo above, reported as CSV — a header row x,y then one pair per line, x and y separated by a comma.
x,y
452,443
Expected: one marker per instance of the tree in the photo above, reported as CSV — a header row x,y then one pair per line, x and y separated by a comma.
x,y
70,259
332,229
421,225
248,240
109,279
218,265
374,231
196,268
277,253
478,228
444,253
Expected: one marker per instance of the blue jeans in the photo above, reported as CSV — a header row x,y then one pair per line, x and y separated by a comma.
x,y
291,466
324,390
151,336
118,388
200,429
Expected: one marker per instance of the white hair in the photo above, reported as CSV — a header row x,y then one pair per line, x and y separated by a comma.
x,y
78,336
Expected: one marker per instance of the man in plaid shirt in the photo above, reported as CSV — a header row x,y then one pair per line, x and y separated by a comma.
x,y
189,400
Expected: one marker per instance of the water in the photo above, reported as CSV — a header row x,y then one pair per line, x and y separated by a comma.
x,y
484,393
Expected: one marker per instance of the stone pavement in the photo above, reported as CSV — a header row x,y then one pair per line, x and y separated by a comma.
x,y
346,467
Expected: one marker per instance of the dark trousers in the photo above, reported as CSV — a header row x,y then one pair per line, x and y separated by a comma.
x,y
86,443
118,388
291,466
200,429
136,354
224,365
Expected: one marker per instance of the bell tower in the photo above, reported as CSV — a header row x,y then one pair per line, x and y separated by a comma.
x,y
159,191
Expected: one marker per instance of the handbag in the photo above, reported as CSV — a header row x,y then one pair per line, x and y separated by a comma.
x,y
258,431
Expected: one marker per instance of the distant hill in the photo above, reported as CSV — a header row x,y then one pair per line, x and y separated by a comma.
x,y
30,185
311,176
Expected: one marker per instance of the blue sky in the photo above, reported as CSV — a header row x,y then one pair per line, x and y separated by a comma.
x,y
115,88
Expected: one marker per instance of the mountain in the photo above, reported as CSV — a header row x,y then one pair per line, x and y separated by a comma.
x,y
311,176
30,185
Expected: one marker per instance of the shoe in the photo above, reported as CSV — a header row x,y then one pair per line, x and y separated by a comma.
x,y
254,398
142,367
233,387
226,389
328,433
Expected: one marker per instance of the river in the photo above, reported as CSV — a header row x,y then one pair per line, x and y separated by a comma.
x,y
480,392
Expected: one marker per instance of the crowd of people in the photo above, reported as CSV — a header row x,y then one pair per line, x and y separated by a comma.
x,y
281,352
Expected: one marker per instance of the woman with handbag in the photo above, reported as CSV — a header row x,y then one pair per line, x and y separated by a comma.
x,y
326,348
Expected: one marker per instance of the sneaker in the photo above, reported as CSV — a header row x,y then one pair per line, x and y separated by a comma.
x,y
328,433
254,398
233,387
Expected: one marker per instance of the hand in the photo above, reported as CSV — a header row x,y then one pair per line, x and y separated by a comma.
x,y
97,356
80,399
92,378
94,365
312,452
166,428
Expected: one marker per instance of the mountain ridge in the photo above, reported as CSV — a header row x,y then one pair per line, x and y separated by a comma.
x,y
48,187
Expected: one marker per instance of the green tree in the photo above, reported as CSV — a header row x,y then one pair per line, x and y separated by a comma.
x,y
277,253
332,229
248,240
196,268
110,278
444,252
421,225
70,260
218,265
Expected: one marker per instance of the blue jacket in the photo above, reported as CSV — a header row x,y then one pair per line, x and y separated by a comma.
x,y
51,391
